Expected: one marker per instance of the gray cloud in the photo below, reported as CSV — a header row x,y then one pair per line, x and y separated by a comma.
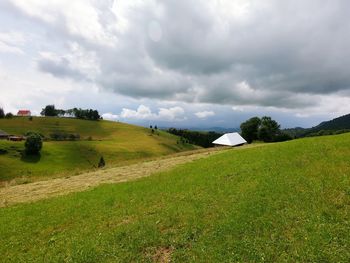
x,y
61,69
282,54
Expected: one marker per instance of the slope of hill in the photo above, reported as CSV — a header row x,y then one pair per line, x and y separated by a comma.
x,y
283,202
340,124
118,143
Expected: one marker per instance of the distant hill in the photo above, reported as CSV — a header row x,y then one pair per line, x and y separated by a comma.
x,y
337,125
118,143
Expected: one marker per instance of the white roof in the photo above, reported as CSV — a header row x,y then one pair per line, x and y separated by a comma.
x,y
230,139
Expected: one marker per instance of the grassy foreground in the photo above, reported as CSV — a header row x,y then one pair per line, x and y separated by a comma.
x,y
118,143
286,202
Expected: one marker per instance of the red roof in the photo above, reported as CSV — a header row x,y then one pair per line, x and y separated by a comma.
x,y
23,111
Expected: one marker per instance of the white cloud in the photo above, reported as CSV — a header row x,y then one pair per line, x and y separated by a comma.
x,y
171,114
110,116
5,48
237,108
144,113
12,42
204,114
79,17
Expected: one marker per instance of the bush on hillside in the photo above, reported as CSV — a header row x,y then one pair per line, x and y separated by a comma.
x,y
101,163
33,144
9,115
282,137
3,151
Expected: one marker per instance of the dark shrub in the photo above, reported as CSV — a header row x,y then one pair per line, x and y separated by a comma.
x,y
33,144
9,115
282,137
101,163
3,151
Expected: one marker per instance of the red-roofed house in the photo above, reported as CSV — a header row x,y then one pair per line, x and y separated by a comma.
x,y
24,113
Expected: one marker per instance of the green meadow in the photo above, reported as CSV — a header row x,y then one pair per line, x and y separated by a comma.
x,y
118,143
283,202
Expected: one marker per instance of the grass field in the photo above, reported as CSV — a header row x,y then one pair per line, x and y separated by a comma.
x,y
286,202
118,143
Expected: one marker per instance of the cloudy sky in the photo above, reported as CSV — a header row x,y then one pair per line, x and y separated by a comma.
x,y
183,63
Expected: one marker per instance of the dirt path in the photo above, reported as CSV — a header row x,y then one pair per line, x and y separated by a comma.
x,y
60,186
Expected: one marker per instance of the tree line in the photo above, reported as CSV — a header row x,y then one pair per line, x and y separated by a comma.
x,y
85,114
263,129
203,139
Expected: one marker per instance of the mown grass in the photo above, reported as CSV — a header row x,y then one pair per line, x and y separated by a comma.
x,y
286,202
47,125
118,143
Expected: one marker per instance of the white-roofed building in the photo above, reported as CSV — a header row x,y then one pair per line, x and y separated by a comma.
x,y
230,139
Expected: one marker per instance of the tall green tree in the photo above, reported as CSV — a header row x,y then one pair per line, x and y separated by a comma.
x,y
250,128
2,113
49,110
268,130
264,129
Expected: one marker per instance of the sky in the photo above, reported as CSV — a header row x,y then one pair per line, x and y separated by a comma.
x,y
178,63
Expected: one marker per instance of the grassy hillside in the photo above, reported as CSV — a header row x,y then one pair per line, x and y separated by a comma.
x,y
285,202
45,125
118,143
336,126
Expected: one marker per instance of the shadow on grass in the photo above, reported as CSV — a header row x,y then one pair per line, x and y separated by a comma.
x,y
30,158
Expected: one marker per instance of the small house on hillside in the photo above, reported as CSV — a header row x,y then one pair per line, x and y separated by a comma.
x,y
230,139
24,113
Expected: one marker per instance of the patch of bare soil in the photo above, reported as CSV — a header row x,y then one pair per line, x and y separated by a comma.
x,y
162,255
